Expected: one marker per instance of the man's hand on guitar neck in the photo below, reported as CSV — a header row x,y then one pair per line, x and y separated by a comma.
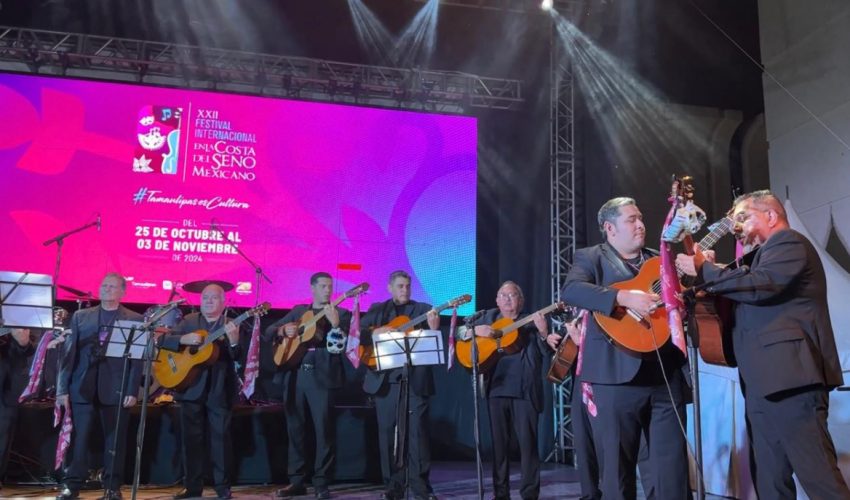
x,y
638,301
691,264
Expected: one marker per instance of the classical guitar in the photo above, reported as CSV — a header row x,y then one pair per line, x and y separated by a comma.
x,y
405,324
288,352
565,356
640,335
714,314
506,340
178,369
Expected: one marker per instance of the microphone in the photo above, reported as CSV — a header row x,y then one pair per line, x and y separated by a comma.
x,y
475,316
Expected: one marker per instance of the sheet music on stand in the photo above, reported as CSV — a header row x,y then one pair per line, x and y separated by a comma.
x,y
26,300
422,347
118,340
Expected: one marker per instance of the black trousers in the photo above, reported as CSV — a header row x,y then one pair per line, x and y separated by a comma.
x,y
519,415
83,416
419,450
8,418
625,413
310,400
587,464
790,436
200,420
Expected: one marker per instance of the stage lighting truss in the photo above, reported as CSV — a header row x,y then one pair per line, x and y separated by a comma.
x,y
515,6
121,59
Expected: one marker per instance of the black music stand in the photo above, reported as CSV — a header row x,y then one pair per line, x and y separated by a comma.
x,y
127,341
26,300
403,350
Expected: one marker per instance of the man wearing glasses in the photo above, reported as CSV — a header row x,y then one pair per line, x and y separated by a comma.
x,y
514,391
785,348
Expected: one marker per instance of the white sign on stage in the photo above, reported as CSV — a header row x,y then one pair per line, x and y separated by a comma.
x,y
422,347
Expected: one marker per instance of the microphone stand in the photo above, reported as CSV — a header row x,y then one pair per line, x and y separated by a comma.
x,y
59,240
476,433
689,297
147,359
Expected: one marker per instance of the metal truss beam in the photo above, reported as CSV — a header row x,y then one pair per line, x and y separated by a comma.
x,y
516,6
562,213
73,54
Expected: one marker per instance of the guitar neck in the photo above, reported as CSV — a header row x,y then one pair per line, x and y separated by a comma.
x,y
719,230
422,317
528,319
219,332
315,319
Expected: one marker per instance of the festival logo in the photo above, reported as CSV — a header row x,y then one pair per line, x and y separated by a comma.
x,y
158,138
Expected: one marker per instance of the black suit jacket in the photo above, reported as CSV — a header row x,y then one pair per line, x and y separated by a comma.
x,y
217,381
524,380
587,286
13,369
421,377
783,337
86,378
328,370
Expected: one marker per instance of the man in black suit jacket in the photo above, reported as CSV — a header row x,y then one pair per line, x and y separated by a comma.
x,y
629,392
14,350
208,400
785,349
384,386
514,391
90,383
311,387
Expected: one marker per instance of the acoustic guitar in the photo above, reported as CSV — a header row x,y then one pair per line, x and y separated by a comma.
x,y
505,340
178,369
565,356
640,335
288,352
405,324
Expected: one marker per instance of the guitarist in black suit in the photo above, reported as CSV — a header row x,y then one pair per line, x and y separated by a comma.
x,y
514,391
310,388
14,350
89,385
629,392
384,387
785,349
208,401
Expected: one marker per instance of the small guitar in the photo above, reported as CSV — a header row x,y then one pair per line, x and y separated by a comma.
x,y
505,340
565,357
640,335
288,352
178,369
405,324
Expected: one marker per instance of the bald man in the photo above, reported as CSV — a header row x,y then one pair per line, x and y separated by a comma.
x,y
785,348
208,401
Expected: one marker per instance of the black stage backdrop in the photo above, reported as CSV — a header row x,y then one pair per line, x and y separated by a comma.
x,y
665,44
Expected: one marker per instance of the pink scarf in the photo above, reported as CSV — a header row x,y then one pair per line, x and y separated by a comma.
x,y
352,349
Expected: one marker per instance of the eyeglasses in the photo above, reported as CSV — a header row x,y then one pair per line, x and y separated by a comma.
x,y
510,295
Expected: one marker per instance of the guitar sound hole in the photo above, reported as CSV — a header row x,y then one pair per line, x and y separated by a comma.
x,y
193,350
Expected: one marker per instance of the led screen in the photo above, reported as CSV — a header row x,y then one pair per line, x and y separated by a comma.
x,y
183,180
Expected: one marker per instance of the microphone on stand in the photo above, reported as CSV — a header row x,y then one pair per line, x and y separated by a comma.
x,y
475,316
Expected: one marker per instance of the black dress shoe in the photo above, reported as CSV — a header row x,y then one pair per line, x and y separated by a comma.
x,y
293,490
112,495
66,493
322,493
184,493
223,493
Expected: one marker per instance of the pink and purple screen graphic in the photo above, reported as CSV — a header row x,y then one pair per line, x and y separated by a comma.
x,y
182,178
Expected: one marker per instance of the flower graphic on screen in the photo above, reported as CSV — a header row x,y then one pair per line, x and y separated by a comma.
x,y
157,140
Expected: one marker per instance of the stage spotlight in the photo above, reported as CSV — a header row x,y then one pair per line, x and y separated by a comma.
x,y
546,4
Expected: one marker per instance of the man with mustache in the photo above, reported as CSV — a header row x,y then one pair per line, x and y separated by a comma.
x,y
785,349
628,396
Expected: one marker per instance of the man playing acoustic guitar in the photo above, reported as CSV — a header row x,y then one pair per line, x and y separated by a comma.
x,y
208,398
384,386
628,390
